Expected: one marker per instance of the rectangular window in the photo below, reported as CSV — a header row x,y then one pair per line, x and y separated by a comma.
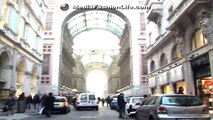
x,y
1,7
26,27
144,65
13,20
48,26
49,16
150,38
38,45
142,22
45,68
159,28
170,10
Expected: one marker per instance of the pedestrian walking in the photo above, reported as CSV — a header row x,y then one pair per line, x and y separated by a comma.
x,y
108,101
29,100
74,101
11,101
49,104
43,98
121,105
21,102
37,103
102,101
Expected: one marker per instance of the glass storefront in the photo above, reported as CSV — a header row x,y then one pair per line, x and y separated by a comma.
x,y
181,84
204,88
202,76
166,89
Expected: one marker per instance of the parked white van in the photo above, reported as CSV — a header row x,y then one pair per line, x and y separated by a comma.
x,y
86,100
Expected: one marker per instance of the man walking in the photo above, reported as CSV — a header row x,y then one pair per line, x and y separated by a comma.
x,y
121,105
49,104
10,103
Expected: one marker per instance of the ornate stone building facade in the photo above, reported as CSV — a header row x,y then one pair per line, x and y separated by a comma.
x,y
179,46
21,25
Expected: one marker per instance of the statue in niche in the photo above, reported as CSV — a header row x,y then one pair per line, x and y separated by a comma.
x,y
179,40
205,25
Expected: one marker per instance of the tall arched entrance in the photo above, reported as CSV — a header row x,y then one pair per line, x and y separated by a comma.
x,y
5,70
83,21
20,81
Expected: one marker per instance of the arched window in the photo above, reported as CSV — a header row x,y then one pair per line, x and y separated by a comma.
x,y
163,60
152,66
176,54
198,40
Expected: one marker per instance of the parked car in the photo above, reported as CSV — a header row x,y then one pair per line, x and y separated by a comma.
x,y
114,104
61,104
172,107
132,103
86,100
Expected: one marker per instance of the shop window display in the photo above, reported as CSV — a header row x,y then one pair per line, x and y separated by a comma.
x,y
205,89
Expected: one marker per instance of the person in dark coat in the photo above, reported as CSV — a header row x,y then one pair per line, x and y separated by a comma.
x,y
108,101
102,101
121,105
49,104
21,103
43,98
36,103
74,102
11,101
29,100
180,90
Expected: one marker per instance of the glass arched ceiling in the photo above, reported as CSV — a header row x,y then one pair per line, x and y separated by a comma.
x,y
96,19
96,46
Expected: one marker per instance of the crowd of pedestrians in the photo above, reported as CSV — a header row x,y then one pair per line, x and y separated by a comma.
x,y
24,103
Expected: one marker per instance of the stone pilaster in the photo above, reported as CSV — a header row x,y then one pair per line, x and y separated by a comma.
x,y
14,72
188,77
27,84
172,90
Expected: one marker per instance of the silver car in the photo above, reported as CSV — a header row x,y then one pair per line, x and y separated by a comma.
x,y
172,107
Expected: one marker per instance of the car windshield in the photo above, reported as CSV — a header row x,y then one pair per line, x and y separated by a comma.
x,y
59,99
137,100
91,97
114,100
181,101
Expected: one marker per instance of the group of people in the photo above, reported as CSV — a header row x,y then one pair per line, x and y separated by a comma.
x,y
105,100
23,103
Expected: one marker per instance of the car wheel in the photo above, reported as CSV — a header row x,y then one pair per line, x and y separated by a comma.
x,y
136,116
65,111
77,108
151,118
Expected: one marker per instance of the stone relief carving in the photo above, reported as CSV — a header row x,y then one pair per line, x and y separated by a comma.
x,y
205,25
179,40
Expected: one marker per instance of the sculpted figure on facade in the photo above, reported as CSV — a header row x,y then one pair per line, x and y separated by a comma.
x,y
179,40
205,25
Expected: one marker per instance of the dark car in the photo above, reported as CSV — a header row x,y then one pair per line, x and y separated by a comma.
x,y
61,104
114,104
